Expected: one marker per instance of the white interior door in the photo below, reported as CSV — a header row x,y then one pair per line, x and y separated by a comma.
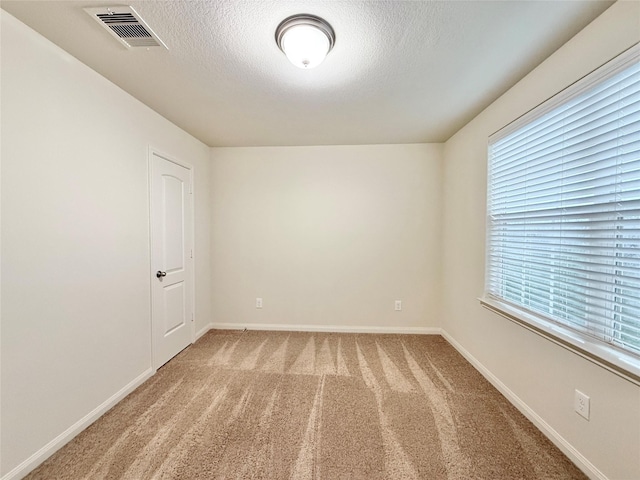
x,y
171,258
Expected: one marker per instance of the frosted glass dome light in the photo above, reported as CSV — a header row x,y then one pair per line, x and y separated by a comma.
x,y
305,40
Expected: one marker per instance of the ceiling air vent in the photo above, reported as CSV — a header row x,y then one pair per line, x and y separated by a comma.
x,y
125,24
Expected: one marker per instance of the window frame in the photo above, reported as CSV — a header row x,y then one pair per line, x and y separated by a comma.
x,y
614,359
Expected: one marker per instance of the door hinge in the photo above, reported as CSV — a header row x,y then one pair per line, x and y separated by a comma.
x,y
190,189
192,316
191,253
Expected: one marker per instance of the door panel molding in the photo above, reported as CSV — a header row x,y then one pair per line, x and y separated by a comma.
x,y
186,275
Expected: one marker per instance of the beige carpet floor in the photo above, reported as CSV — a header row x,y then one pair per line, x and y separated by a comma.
x,y
280,405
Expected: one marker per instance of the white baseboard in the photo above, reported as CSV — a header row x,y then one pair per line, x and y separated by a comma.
x,y
326,328
559,441
54,445
204,330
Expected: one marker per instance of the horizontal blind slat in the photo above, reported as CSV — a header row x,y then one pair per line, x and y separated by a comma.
x,y
573,135
553,169
599,289
563,210
617,131
629,81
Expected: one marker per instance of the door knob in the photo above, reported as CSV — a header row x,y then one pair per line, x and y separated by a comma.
x,y
161,274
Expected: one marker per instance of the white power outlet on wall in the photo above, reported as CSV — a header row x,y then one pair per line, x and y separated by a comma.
x,y
258,302
398,305
581,404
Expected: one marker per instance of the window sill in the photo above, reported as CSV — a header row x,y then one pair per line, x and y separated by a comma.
x,y
610,358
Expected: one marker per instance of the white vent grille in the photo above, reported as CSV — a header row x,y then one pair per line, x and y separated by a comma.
x,y
125,24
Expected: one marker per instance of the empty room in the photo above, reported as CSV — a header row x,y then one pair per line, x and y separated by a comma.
x,y
338,239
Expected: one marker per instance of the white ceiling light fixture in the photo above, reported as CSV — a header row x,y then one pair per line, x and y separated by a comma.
x,y
305,39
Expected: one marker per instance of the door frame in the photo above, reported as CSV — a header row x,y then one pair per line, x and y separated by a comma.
x,y
152,270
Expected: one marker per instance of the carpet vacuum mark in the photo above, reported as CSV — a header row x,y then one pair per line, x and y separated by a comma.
x,y
292,405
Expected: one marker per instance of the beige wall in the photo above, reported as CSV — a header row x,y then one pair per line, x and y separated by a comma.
x,y
542,375
75,242
329,237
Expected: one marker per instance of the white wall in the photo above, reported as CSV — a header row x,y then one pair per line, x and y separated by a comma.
x,y
329,237
542,375
75,241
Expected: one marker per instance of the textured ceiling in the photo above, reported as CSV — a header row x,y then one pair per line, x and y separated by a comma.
x,y
400,72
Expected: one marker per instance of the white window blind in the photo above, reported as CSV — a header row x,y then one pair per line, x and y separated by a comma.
x,y
563,240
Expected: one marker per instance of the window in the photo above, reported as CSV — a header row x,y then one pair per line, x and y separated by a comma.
x,y
563,239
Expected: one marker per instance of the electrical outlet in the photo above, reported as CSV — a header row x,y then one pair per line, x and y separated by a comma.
x,y
581,404
258,302
398,305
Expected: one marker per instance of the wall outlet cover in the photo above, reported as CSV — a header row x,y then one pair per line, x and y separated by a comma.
x,y
581,404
